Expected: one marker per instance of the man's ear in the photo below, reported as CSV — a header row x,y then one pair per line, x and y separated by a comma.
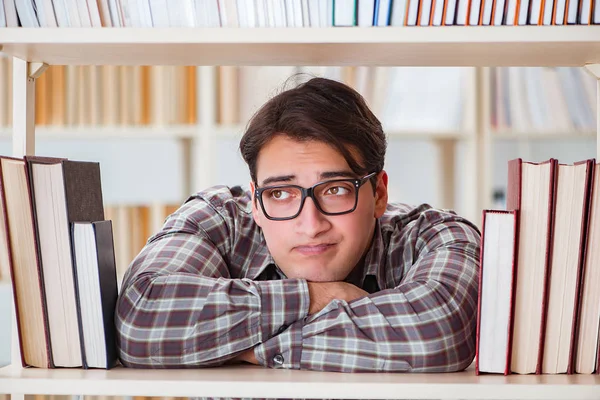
x,y
381,194
256,213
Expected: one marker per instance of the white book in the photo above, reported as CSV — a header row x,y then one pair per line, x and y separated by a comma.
x,y
271,13
297,13
94,13
278,14
289,13
26,13
450,12
596,16
115,17
313,11
10,13
572,12
383,13
584,15
511,11
559,16
366,9
438,13
243,18
523,10
84,14
160,13
425,12
326,12
547,15
486,18
398,12
343,12
461,12
305,14
261,13
45,13
534,13
474,13
2,25
499,12
146,14
497,274
61,14
131,17
413,12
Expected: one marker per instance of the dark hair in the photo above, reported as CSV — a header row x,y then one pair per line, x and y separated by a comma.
x,y
322,110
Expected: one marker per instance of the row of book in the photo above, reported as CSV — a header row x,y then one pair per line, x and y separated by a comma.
x,y
543,99
108,95
295,13
522,99
539,299
60,250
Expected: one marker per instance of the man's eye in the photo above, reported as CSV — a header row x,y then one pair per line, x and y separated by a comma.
x,y
337,190
279,194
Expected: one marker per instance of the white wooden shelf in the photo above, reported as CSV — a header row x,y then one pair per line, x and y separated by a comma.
x,y
258,382
431,46
109,132
544,135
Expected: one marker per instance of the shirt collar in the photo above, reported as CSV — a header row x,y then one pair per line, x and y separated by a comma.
x,y
263,265
375,260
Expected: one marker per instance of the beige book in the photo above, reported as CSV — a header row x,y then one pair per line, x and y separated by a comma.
x,y
571,197
227,95
58,93
136,95
110,95
126,95
4,82
559,111
145,93
83,96
26,275
123,251
191,92
158,76
95,97
586,359
71,94
41,95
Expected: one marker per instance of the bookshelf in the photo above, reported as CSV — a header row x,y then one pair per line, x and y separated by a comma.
x,y
481,47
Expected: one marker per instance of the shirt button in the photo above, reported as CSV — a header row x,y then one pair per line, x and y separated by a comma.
x,y
278,359
282,328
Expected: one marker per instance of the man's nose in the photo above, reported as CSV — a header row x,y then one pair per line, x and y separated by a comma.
x,y
311,222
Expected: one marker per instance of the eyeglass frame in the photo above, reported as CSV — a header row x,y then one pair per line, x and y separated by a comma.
x,y
309,192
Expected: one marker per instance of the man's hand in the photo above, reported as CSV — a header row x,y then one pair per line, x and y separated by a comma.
x,y
246,356
321,294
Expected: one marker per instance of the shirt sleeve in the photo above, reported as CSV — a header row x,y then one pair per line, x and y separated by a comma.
x,y
179,306
426,323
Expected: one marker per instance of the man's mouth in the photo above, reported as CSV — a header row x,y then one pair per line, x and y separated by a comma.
x,y
316,249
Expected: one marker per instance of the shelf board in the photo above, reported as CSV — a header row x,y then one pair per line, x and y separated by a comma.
x,y
544,135
414,46
258,382
110,132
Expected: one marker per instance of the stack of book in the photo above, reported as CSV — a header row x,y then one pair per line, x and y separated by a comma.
x,y
295,13
539,302
59,247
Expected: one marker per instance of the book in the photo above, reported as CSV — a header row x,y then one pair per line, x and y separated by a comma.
x,y
63,191
96,282
569,226
498,261
587,352
26,274
531,188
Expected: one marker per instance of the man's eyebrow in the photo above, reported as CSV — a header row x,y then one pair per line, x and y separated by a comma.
x,y
323,176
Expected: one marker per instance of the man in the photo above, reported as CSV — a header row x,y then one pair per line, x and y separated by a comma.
x,y
312,269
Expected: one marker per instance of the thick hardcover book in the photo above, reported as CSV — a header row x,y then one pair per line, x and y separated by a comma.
x,y
495,304
97,291
26,272
531,190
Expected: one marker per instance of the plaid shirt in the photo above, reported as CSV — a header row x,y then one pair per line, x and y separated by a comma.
x,y
206,288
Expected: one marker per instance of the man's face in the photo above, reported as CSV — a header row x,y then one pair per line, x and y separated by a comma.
x,y
315,246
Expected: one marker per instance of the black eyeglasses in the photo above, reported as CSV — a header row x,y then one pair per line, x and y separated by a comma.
x,y
333,197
